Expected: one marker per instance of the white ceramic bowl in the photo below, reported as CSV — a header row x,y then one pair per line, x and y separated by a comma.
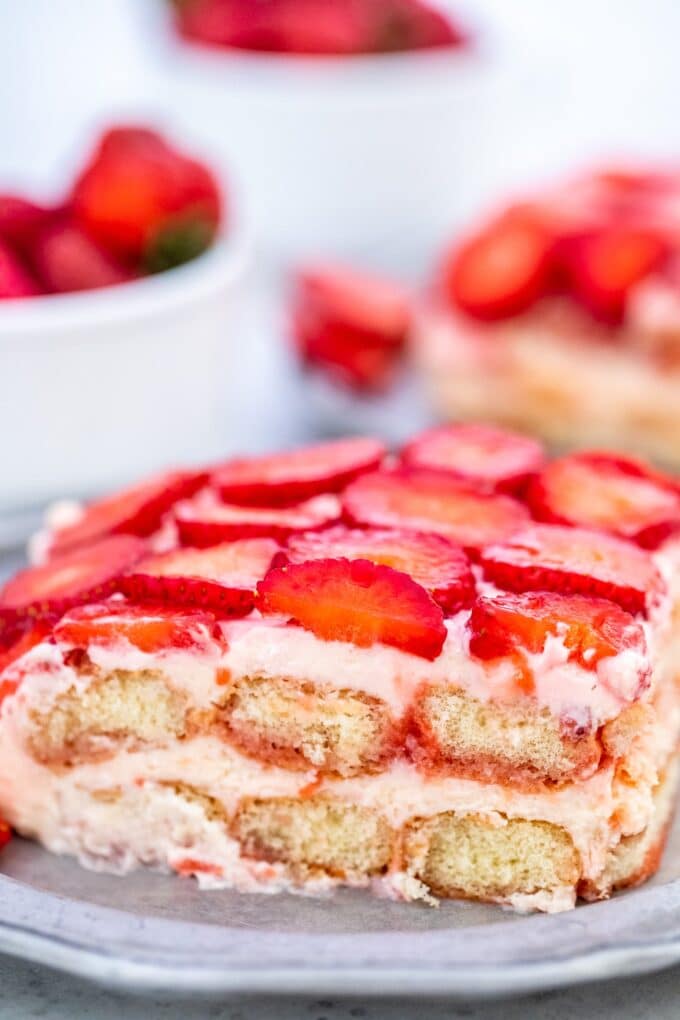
x,y
97,388
340,156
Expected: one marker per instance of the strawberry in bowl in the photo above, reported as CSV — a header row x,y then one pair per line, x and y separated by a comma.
x,y
561,313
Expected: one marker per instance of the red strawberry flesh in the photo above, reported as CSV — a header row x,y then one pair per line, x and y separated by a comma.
x,y
355,601
481,454
221,579
204,523
607,491
547,557
137,510
81,576
66,260
15,279
436,564
591,628
286,478
150,630
431,501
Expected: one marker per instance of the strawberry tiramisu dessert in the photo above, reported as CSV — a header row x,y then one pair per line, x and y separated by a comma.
x,y
448,671
560,314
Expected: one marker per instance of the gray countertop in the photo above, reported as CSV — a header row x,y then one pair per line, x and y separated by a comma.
x,y
29,991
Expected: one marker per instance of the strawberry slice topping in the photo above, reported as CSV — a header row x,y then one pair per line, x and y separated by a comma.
x,y
489,457
617,494
150,630
422,500
81,576
136,511
504,269
575,561
204,523
591,628
436,564
286,478
603,266
222,578
356,601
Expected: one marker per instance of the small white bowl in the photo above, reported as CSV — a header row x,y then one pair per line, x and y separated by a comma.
x,y
99,387
339,156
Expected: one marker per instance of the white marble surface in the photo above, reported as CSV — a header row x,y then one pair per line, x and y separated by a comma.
x,y
29,992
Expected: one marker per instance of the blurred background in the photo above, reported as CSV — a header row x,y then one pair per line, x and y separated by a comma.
x,y
376,160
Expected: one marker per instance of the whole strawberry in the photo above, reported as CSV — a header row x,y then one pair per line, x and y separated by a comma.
x,y
145,202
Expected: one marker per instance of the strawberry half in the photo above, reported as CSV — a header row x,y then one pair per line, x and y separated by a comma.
x,y
286,478
81,576
66,259
436,564
547,557
206,523
486,456
150,630
614,493
603,266
222,578
15,279
356,601
418,499
136,511
504,269
591,628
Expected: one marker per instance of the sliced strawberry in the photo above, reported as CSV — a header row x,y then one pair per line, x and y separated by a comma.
x,y
30,635
486,456
81,576
575,561
150,629
135,511
15,279
21,221
222,578
421,500
356,601
66,259
293,476
615,493
436,564
603,266
206,523
504,269
591,628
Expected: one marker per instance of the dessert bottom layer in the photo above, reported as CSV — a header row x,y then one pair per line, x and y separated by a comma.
x,y
565,389
201,808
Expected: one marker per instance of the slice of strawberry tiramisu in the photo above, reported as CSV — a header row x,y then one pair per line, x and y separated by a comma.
x,y
560,314
449,672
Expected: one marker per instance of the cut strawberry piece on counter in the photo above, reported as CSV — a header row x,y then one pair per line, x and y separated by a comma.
x,y
591,628
77,577
15,279
206,523
418,499
504,269
145,202
221,579
615,493
603,266
486,456
356,601
285,478
136,511
547,557
150,630
66,259
21,221
433,562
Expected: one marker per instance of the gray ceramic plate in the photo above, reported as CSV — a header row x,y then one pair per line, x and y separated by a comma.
x,y
159,933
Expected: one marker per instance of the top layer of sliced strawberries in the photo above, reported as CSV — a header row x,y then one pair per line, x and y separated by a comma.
x,y
581,568
594,241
